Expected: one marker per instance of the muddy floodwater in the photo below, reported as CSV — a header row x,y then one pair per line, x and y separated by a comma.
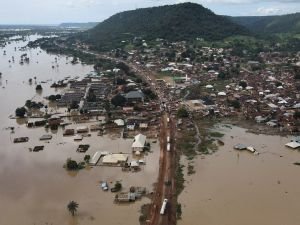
x,y
35,188
233,188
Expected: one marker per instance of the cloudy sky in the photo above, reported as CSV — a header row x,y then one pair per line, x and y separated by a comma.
x,y
57,11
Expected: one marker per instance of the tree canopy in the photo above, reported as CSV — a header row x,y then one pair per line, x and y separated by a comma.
x,y
72,207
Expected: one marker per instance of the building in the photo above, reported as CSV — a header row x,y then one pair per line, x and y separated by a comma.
x,y
114,159
82,129
54,120
139,143
135,96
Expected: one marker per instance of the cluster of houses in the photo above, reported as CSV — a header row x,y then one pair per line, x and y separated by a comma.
x,y
265,91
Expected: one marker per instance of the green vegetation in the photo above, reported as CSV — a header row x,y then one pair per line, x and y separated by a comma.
x,y
179,179
216,134
33,105
235,104
178,211
87,158
207,145
149,94
191,169
186,21
54,97
270,24
147,147
118,100
182,113
243,84
72,207
73,105
186,143
38,87
20,112
72,165
297,115
117,187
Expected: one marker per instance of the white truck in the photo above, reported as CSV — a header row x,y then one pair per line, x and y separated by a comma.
x,y
168,147
163,207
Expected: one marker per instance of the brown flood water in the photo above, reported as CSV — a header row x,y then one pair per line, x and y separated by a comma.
x,y
35,188
234,188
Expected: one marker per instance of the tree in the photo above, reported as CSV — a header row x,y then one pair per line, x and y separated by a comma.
x,y
87,158
38,87
72,207
120,81
182,112
297,76
71,164
91,96
149,93
243,84
20,112
74,105
222,75
118,186
235,104
118,100
52,98
297,115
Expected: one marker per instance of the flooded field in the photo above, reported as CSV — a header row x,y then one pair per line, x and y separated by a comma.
x,y
35,188
232,187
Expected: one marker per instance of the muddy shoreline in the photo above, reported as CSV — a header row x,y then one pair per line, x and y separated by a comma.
x,y
256,128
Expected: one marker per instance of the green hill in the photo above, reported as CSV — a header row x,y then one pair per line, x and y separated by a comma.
x,y
185,21
270,24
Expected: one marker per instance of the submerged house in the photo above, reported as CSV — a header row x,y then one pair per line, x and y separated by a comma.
x,y
139,143
114,159
54,120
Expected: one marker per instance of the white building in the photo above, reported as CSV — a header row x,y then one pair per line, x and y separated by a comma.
x,y
139,143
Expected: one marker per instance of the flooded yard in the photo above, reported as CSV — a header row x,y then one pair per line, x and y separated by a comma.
x,y
35,188
236,187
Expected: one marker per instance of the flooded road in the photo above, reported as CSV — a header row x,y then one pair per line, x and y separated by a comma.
x,y
35,188
232,187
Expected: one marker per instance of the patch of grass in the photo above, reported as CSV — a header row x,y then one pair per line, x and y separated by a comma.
x,y
216,134
178,211
186,144
191,169
179,179
207,146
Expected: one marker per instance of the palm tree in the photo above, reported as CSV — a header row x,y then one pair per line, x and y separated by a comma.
x,y
72,207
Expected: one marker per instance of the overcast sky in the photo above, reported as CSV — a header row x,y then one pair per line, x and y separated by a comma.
x,y
57,11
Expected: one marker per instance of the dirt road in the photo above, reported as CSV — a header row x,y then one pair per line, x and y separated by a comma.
x,y
165,187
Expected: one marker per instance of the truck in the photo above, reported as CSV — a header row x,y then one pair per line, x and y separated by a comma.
x,y
168,139
168,147
163,207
